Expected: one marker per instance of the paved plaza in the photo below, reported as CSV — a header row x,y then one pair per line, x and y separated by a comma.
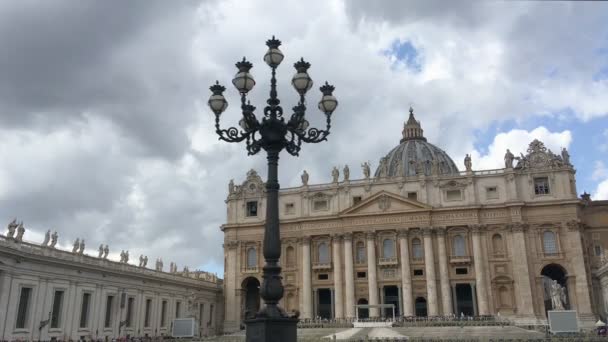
x,y
350,334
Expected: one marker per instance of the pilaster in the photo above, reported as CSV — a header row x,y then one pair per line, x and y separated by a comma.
x,y
480,269
446,293
349,275
406,274
338,284
372,281
431,278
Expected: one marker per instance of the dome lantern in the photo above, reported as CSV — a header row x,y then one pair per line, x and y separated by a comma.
x,y
412,129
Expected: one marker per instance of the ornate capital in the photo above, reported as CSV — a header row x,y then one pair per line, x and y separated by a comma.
x,y
574,225
336,238
427,231
517,227
231,244
403,233
305,240
370,235
477,228
348,236
440,230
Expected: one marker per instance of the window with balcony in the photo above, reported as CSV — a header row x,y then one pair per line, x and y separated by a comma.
x,y
549,242
388,248
541,186
252,257
498,245
290,255
458,246
323,256
360,256
417,251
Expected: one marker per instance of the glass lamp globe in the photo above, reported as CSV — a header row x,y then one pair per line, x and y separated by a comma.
x,y
217,102
243,81
273,57
328,101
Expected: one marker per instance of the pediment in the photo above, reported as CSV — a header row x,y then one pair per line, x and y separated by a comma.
x,y
385,202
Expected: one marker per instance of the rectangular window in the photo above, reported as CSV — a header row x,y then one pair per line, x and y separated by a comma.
x,y
24,303
290,208
178,307
323,276
320,205
201,313
356,200
210,315
598,250
361,275
57,306
462,270
453,195
252,208
412,195
130,304
84,310
109,307
541,186
163,314
147,316
492,192
418,272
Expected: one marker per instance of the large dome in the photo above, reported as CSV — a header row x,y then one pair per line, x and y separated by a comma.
x,y
414,155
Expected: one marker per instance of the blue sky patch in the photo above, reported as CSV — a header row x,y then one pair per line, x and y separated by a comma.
x,y
405,52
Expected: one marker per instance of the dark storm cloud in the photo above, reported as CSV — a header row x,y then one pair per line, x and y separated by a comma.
x,y
61,59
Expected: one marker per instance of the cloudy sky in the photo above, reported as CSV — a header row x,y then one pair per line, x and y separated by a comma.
x,y
105,134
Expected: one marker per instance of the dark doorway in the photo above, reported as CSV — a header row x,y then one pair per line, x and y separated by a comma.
x,y
464,300
391,296
324,298
363,312
420,305
252,296
554,272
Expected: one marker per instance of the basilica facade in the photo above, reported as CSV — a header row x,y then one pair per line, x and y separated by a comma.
x,y
426,237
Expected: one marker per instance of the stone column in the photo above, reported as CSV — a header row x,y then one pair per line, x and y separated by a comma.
x,y
372,282
232,307
431,280
480,270
349,275
338,284
406,274
306,280
521,272
582,288
446,293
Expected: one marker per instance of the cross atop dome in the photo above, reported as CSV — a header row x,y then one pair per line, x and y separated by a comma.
x,y
412,129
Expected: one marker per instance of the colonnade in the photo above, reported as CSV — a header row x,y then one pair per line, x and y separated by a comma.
x,y
439,300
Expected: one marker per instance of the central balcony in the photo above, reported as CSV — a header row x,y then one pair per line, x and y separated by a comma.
x,y
387,261
321,266
460,259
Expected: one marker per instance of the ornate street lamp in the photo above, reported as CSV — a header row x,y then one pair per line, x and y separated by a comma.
x,y
272,134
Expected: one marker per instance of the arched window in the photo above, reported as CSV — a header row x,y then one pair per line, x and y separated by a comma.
x,y
252,257
360,252
290,255
323,253
388,248
497,244
549,243
458,246
417,251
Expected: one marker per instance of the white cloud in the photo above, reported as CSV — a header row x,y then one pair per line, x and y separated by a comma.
x,y
600,171
601,192
517,142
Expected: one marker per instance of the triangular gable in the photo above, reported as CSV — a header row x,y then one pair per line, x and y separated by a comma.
x,y
385,202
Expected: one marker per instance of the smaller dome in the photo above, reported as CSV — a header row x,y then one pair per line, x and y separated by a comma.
x,y
414,155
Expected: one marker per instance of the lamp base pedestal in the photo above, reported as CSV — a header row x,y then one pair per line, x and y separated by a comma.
x,y
270,329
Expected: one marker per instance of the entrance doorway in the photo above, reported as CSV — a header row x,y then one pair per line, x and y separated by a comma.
x,y
251,286
420,305
362,312
550,273
391,296
464,300
324,300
